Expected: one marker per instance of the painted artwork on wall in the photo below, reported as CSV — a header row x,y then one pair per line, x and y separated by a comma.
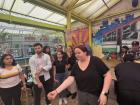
x,y
123,32
75,37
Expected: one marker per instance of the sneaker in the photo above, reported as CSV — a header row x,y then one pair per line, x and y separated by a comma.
x,y
60,101
65,101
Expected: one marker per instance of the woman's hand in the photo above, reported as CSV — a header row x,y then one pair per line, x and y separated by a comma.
x,y
102,99
52,95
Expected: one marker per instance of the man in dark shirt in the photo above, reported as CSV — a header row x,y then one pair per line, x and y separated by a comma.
x,y
128,81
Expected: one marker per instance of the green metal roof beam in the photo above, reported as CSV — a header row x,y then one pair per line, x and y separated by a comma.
x,y
28,22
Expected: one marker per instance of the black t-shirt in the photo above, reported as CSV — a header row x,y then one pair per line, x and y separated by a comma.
x,y
128,76
90,80
60,66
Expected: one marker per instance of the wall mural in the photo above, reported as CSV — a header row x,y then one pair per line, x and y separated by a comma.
x,y
118,32
75,37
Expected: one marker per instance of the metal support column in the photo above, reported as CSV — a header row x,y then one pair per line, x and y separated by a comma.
x,y
90,34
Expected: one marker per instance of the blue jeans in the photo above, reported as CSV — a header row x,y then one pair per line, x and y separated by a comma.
x,y
61,77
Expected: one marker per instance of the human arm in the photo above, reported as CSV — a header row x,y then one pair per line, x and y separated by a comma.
x,y
64,85
104,72
106,85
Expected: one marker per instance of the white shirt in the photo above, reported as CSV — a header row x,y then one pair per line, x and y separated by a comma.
x,y
36,62
10,78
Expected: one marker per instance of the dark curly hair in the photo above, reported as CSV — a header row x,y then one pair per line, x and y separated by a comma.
x,y
2,59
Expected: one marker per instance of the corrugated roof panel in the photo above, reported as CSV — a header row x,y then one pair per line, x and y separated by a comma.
x,y
93,8
1,3
82,8
112,2
100,11
63,21
5,12
55,17
18,15
108,0
40,13
8,4
22,7
80,1
67,3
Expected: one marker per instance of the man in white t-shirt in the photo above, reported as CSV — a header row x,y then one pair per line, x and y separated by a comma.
x,y
40,64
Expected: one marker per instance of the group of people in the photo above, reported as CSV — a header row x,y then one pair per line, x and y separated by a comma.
x,y
91,75
76,71
135,50
47,70
76,67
